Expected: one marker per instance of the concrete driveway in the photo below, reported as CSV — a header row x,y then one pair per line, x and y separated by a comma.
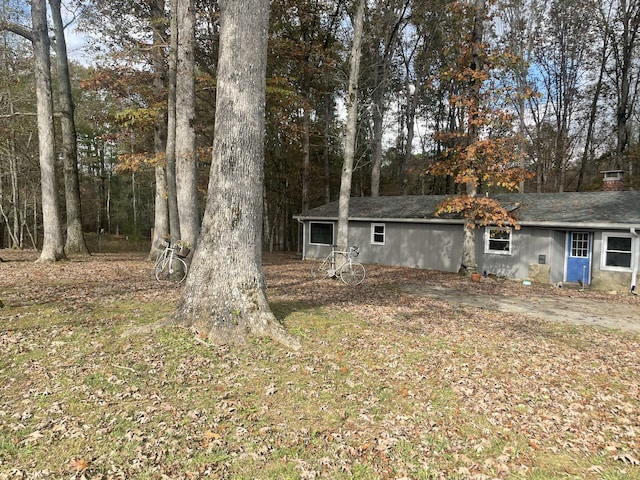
x,y
571,310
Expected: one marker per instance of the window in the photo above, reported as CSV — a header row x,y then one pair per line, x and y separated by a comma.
x,y
580,244
617,252
321,233
498,240
377,233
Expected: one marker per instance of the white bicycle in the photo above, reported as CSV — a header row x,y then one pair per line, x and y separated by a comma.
x,y
170,266
349,271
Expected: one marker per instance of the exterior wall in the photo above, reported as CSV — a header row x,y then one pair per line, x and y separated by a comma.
x,y
557,256
537,254
606,279
414,245
524,261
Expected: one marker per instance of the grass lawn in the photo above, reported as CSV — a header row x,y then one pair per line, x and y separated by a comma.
x,y
388,385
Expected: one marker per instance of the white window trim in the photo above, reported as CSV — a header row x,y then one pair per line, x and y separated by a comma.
x,y
487,237
384,233
603,254
322,223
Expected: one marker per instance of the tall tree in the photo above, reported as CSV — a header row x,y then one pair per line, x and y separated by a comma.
x,y
387,18
38,34
352,124
170,152
159,65
483,154
53,243
75,242
224,296
185,136
560,55
623,17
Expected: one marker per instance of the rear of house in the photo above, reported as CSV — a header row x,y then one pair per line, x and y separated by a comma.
x,y
589,238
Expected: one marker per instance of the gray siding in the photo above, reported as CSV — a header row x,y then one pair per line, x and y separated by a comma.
x,y
438,246
415,245
526,247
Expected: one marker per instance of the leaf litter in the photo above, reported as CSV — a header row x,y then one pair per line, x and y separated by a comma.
x,y
389,384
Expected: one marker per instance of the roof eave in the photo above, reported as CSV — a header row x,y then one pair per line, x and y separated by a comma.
x,y
460,221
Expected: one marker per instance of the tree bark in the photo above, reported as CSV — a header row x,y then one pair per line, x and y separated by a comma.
x,y
351,132
186,158
170,152
53,243
469,239
161,212
75,242
224,296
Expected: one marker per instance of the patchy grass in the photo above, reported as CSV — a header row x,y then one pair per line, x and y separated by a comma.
x,y
387,385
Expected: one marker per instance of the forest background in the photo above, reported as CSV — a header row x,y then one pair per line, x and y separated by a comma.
x,y
567,73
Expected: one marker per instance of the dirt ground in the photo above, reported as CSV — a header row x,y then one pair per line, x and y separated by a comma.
x,y
569,304
574,310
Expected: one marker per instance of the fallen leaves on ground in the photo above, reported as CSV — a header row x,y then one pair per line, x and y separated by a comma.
x,y
388,384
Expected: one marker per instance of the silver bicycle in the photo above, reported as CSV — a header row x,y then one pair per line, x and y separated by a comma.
x,y
340,264
170,266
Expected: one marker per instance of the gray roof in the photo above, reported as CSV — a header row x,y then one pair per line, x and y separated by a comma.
x,y
606,209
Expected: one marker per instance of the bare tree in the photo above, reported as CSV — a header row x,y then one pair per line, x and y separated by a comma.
x,y
170,152
161,217
352,121
75,242
53,244
185,137
38,34
224,296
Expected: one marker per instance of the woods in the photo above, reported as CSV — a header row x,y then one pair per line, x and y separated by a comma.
x,y
568,84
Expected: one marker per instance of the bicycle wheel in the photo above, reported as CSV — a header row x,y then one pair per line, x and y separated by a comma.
x,y
173,269
352,273
321,269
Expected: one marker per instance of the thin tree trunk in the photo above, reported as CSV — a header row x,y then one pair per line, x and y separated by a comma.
x,y
351,131
224,295
469,238
186,158
161,212
170,153
75,242
328,100
593,111
306,161
53,243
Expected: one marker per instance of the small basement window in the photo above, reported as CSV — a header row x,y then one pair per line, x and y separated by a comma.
x,y
497,240
617,252
321,233
377,233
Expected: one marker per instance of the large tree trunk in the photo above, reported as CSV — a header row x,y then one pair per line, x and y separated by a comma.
x,y
352,121
53,243
75,238
186,159
224,296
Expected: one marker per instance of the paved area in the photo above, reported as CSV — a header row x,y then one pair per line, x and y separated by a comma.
x,y
561,309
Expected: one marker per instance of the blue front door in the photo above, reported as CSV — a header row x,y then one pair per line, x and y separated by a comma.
x,y
578,257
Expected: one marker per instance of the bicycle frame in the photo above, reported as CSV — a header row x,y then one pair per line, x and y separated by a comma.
x,y
348,270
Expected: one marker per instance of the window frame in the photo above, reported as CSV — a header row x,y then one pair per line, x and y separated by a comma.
x,y
605,251
374,233
331,224
488,240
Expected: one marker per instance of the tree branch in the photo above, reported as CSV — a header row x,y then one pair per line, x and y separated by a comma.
x,y
17,29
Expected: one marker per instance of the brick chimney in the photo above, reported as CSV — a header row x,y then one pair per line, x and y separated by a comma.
x,y
613,180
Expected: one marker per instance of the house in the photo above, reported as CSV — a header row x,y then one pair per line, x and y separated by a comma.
x,y
588,238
